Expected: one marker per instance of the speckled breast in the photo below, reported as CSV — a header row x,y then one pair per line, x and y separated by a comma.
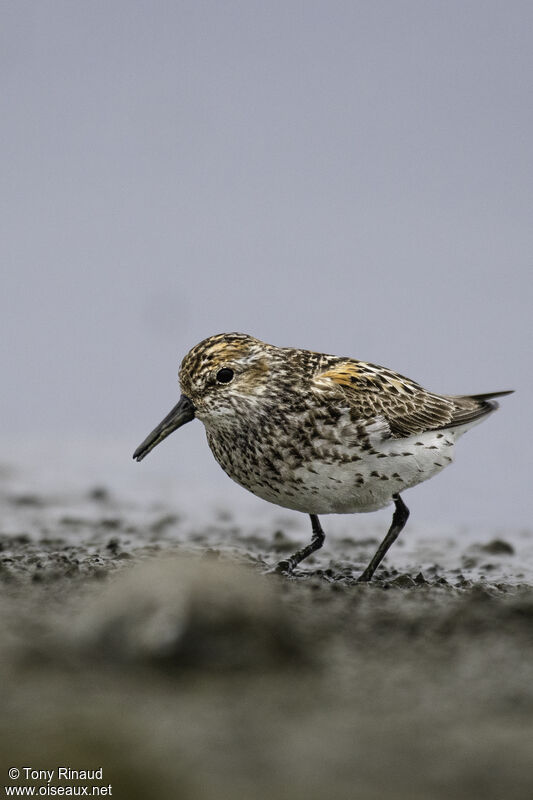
x,y
330,469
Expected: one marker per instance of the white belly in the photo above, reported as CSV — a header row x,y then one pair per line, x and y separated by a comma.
x,y
336,486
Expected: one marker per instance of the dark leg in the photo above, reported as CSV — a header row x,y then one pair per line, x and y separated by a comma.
x,y
288,564
399,518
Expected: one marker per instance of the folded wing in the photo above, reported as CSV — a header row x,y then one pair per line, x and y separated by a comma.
x,y
407,407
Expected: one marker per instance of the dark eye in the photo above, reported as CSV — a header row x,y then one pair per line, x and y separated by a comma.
x,y
225,375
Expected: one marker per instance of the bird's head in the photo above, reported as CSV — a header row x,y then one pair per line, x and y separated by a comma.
x,y
220,378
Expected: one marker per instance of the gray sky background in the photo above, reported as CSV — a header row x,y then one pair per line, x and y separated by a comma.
x,y
350,177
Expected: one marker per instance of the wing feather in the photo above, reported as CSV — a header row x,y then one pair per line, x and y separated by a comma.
x,y
407,407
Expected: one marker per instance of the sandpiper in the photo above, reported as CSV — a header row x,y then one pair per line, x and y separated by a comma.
x,y
317,433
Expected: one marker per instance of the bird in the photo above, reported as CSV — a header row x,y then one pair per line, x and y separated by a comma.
x,y
317,433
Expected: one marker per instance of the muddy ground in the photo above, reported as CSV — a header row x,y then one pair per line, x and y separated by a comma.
x,y
162,652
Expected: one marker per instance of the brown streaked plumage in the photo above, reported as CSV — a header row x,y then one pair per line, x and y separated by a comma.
x,y
317,433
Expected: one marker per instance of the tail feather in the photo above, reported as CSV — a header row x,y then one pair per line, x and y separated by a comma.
x,y
471,408
490,395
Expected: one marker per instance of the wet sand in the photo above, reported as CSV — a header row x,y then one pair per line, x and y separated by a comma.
x,y
163,652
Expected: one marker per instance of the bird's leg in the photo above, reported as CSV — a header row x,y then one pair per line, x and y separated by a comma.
x,y
287,565
399,518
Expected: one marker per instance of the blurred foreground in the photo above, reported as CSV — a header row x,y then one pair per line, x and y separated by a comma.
x,y
159,650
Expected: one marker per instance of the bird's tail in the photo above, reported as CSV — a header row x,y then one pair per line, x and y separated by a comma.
x,y
490,395
470,409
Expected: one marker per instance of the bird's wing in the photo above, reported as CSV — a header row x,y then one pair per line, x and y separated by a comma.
x,y
372,391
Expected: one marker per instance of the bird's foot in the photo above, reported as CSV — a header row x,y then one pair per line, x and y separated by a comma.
x,y
285,567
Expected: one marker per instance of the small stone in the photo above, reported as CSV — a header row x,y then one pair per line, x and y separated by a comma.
x,y
110,523
98,494
28,500
113,545
163,522
403,582
498,547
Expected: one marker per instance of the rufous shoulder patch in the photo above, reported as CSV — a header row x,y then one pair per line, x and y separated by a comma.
x,y
344,374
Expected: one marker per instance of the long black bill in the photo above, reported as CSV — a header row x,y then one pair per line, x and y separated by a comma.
x,y
181,413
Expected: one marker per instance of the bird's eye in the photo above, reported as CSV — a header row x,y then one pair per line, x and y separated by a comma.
x,y
225,375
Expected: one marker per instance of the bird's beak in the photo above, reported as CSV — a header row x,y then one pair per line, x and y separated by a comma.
x,y
181,413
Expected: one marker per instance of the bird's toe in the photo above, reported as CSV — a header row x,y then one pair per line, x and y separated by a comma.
x,y
284,567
